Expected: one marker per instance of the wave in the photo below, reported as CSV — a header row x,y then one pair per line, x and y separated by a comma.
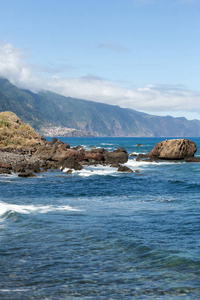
x,y
7,209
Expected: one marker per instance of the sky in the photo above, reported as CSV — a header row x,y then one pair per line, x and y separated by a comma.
x,y
139,54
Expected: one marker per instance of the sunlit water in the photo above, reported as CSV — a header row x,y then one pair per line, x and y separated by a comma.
x,y
100,234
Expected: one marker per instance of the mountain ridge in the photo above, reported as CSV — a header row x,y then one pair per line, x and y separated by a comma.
x,y
46,109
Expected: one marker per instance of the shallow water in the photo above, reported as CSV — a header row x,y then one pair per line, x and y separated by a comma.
x,y
99,234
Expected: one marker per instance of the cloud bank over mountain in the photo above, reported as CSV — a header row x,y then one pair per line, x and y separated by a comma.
x,y
158,99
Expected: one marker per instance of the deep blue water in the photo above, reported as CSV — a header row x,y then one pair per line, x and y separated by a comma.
x,y
99,234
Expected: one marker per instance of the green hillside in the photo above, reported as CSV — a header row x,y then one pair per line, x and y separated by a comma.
x,y
48,109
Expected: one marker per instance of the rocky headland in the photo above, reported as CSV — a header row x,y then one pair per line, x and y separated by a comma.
x,y
24,151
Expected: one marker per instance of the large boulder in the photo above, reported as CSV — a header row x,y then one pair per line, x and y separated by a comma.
x,y
174,149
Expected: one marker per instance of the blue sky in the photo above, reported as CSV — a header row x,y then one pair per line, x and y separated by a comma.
x,y
142,54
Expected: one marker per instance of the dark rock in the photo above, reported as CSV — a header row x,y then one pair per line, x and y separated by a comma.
x,y
19,168
45,152
63,154
78,147
138,145
137,171
35,167
69,171
65,146
115,165
93,155
120,150
124,169
5,171
133,154
192,159
54,140
118,156
148,159
26,174
71,163
90,162
141,155
174,149
6,166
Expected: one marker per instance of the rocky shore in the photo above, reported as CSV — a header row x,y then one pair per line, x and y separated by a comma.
x,y
57,155
23,151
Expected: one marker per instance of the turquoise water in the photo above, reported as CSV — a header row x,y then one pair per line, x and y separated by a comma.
x,y
99,234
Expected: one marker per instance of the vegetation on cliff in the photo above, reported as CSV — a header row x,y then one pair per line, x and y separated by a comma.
x,y
14,133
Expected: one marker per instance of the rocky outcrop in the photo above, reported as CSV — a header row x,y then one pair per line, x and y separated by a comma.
x,y
174,149
23,151
27,158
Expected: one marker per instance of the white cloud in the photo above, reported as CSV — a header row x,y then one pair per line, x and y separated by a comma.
x,y
153,99
150,98
13,67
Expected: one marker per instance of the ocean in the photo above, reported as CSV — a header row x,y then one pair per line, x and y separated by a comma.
x,y
100,234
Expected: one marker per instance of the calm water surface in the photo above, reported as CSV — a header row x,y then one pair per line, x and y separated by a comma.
x,y
99,234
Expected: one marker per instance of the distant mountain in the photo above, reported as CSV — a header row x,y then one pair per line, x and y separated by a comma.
x,y
46,109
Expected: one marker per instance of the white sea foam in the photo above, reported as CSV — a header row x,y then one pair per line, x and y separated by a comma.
x,y
137,153
66,169
107,170
97,170
132,163
28,209
14,290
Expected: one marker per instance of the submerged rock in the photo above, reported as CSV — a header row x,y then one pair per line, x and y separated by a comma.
x,y
174,149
